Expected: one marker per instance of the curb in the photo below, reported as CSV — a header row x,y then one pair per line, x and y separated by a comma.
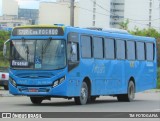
x,y
6,95
152,91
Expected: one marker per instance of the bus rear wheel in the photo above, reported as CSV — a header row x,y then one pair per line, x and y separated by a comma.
x,y
36,100
130,93
82,99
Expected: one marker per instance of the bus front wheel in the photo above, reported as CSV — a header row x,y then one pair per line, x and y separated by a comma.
x,y
82,99
130,93
36,100
6,87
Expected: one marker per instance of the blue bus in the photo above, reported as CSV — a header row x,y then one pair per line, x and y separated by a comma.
x,y
80,63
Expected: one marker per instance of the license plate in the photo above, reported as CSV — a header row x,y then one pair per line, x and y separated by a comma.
x,y
33,90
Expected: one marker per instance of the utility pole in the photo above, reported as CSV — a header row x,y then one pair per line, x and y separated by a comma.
x,y
72,13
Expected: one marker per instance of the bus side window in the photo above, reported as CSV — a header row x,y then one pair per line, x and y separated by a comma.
x,y
109,48
140,50
131,55
86,46
120,49
149,51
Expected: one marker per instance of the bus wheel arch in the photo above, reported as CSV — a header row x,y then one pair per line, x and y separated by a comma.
x,y
85,90
88,81
131,87
133,80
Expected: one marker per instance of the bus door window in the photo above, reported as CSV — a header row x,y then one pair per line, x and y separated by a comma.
x,y
73,50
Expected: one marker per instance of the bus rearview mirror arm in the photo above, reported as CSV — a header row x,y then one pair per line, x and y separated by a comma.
x,y
5,48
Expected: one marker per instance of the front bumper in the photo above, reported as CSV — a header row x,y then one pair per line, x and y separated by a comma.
x,y
60,90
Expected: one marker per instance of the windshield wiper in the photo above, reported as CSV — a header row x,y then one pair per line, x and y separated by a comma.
x,y
26,48
45,46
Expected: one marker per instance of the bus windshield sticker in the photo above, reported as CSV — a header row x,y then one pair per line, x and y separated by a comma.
x,y
38,62
20,63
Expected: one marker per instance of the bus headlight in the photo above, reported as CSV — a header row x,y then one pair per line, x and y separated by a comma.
x,y
12,81
59,81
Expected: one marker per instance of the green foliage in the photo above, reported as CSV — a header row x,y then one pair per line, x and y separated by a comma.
x,y
158,79
150,32
158,51
4,35
124,25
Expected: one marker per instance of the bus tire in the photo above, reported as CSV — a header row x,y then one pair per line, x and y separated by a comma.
x,y
6,87
93,99
36,100
82,99
130,93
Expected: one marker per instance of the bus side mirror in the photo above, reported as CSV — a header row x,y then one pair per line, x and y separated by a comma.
x,y
5,49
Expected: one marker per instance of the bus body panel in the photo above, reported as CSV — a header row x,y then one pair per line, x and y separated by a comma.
x,y
107,77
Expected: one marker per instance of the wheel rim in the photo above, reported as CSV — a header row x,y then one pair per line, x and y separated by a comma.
x,y
131,92
83,94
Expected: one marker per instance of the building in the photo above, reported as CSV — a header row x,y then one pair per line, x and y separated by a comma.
x,y
12,21
92,13
116,13
13,16
9,7
88,13
155,16
54,12
140,13
31,14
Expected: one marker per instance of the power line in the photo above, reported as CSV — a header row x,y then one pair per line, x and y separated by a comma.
x,y
118,15
133,21
92,11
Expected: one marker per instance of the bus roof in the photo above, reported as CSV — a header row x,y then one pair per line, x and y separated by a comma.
x,y
111,33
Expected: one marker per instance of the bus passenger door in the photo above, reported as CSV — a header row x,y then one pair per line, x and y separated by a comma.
x,y
73,62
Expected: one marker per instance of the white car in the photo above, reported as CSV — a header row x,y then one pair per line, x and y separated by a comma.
x,y
4,78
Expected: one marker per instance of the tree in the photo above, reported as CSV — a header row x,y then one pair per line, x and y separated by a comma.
x,y
4,35
124,24
150,32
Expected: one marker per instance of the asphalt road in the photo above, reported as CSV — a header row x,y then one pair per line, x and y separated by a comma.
x,y
144,102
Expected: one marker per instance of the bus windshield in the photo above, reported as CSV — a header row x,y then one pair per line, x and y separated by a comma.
x,y
38,54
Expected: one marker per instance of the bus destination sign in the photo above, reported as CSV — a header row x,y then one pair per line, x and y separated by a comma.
x,y
57,31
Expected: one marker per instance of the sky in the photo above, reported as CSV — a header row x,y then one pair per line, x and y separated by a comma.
x,y
31,4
